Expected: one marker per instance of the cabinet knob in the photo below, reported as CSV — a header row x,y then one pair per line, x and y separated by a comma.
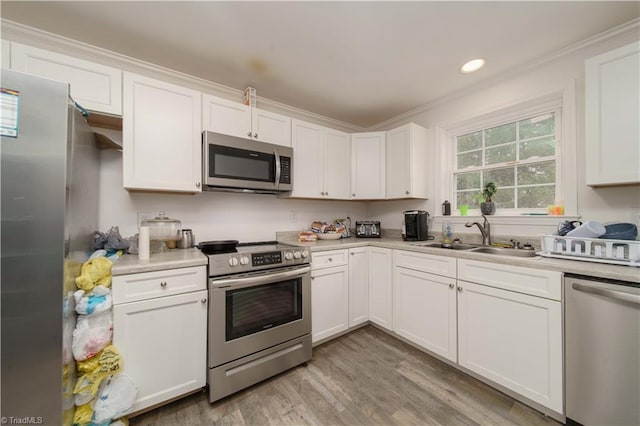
x,y
313,278
330,260
407,192
203,300
249,134
460,289
326,193
352,253
163,284
451,286
321,193
255,135
197,184
353,195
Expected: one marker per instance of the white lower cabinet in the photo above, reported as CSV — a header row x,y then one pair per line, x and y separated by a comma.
x,y
329,294
162,340
358,286
424,310
512,338
381,287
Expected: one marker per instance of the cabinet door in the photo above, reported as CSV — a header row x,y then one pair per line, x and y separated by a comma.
x,y
224,116
512,339
329,302
368,165
380,287
94,86
161,130
425,310
337,165
308,151
6,54
163,343
271,127
612,136
406,160
358,286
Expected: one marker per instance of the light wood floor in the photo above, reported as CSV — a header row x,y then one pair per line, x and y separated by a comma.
x,y
363,378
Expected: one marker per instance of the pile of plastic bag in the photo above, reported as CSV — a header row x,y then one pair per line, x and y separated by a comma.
x,y
102,394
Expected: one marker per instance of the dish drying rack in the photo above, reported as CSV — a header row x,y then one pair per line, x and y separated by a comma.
x,y
617,252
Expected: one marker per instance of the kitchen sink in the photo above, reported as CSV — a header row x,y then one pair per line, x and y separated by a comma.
x,y
505,251
455,246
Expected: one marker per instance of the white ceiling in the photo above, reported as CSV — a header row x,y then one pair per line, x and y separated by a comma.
x,y
358,62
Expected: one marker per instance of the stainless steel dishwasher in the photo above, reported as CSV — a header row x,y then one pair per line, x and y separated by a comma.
x,y
602,351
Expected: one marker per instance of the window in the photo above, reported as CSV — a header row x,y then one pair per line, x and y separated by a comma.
x,y
519,156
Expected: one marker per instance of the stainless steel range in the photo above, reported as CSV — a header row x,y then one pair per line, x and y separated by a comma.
x,y
259,314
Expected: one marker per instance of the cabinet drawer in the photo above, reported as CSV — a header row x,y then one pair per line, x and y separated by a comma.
x,y
536,282
148,285
328,259
440,265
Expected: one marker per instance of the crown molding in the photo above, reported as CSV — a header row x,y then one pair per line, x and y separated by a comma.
x,y
20,33
627,27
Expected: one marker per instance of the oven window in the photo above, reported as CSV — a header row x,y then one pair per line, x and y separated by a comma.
x,y
235,163
253,309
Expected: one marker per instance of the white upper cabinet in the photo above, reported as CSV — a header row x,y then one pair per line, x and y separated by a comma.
x,y
161,130
224,116
321,166
233,118
611,117
94,86
406,162
368,165
6,54
271,127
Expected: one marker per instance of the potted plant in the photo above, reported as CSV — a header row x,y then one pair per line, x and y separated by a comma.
x,y
488,207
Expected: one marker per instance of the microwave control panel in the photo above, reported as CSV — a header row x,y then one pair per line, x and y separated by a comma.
x,y
285,170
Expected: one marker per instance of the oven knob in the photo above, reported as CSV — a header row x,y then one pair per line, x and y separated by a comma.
x,y
244,260
288,255
296,254
233,261
304,254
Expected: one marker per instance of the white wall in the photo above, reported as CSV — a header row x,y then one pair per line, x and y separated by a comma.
x,y
603,204
212,215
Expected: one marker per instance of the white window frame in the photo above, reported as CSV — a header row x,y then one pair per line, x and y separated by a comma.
x,y
550,107
566,161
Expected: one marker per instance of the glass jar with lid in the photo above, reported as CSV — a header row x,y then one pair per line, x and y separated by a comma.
x,y
163,228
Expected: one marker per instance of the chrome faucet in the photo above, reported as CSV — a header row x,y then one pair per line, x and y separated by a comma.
x,y
485,230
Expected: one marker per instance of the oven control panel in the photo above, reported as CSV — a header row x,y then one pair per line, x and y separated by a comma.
x,y
270,258
229,263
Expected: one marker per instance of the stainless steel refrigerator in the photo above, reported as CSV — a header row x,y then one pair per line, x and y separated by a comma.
x,y
49,175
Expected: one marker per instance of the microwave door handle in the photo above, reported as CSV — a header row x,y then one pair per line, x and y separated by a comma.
x,y
278,166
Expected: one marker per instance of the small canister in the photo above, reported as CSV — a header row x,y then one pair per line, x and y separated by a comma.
x,y
446,208
186,239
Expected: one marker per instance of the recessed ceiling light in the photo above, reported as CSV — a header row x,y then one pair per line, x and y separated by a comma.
x,y
472,65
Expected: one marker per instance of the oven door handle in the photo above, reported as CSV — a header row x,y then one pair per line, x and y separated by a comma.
x,y
261,279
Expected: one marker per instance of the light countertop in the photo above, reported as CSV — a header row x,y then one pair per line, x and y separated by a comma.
x,y
171,259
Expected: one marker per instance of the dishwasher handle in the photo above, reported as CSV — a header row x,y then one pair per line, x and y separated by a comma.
x,y
612,294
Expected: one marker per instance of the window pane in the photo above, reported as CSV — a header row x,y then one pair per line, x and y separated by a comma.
x,y
500,134
466,198
500,154
538,148
468,181
473,158
470,141
538,173
536,196
504,198
501,177
537,126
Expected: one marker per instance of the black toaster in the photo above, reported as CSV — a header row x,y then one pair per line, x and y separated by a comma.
x,y
368,229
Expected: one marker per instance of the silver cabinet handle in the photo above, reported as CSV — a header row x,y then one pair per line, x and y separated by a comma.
x,y
352,254
330,260
353,195
249,134
203,300
322,193
255,135
612,294
197,184
460,289
163,284
407,192
451,286
326,193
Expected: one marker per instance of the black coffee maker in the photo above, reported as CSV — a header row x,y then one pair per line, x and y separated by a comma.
x,y
416,225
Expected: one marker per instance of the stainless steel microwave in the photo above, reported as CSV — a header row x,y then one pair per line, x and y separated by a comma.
x,y
235,164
